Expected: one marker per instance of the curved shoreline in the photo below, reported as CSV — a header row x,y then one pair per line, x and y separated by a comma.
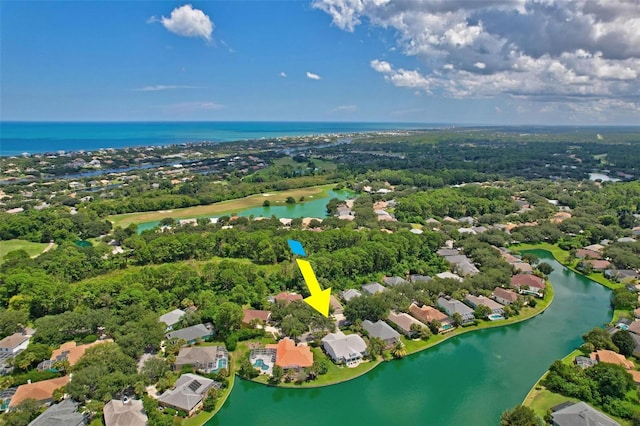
x,y
537,383
459,331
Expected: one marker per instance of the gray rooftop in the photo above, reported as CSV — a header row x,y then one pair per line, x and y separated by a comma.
x,y
380,329
172,318
188,391
190,333
393,281
350,294
452,306
124,413
373,288
581,414
62,414
343,346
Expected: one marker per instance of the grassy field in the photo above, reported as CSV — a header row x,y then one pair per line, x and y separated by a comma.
x,y
223,207
33,249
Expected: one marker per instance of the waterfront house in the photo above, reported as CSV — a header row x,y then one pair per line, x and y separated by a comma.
x,y
192,334
528,284
403,322
349,294
610,357
452,306
584,362
373,288
188,393
595,264
64,413
579,414
123,412
382,331
290,356
475,301
204,359
345,348
621,275
41,391
428,314
522,267
172,318
584,253
504,296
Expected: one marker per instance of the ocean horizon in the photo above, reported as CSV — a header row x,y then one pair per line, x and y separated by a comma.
x,y
17,137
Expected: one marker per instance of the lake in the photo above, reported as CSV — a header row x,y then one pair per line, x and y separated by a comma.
x,y
468,380
312,208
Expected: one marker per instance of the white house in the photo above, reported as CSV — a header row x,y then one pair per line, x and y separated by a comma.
x,y
345,348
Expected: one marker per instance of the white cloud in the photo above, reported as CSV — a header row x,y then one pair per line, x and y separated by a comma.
x,y
188,107
162,87
187,22
345,108
582,52
313,76
283,74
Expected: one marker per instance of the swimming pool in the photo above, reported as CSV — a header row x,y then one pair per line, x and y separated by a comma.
x,y
622,326
495,317
260,364
446,327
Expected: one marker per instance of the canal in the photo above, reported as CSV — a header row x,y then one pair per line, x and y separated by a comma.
x,y
467,380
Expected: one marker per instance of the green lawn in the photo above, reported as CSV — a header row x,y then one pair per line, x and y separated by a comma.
x,y
33,249
223,207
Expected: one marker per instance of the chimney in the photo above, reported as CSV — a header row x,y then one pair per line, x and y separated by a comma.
x,y
125,400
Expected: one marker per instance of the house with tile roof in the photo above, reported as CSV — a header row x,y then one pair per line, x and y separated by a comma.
x,y
69,351
290,356
14,344
287,297
125,412
192,334
64,413
382,331
611,357
188,393
417,278
257,316
373,288
475,301
428,314
453,306
584,253
40,391
522,267
528,284
595,264
504,296
204,359
449,276
580,414
403,323
345,348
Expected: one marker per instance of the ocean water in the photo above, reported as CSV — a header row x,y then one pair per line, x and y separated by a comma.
x,y
39,137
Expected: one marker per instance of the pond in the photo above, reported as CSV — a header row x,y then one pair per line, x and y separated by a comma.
x,y
310,208
468,380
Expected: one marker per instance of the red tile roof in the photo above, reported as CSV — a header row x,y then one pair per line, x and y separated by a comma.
x,y
599,264
288,297
610,357
427,313
288,355
74,353
40,391
505,294
251,314
527,279
582,253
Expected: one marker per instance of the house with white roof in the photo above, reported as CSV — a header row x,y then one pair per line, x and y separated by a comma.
x,y
345,348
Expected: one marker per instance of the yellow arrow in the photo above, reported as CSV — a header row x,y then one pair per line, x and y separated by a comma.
x,y
319,299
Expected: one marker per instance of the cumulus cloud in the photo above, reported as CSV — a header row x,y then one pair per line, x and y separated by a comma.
x,y
283,74
313,76
578,52
161,87
187,22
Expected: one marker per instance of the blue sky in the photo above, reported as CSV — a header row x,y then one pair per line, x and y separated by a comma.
x,y
481,62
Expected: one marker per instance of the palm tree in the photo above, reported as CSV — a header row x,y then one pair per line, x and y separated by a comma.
x,y
399,350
